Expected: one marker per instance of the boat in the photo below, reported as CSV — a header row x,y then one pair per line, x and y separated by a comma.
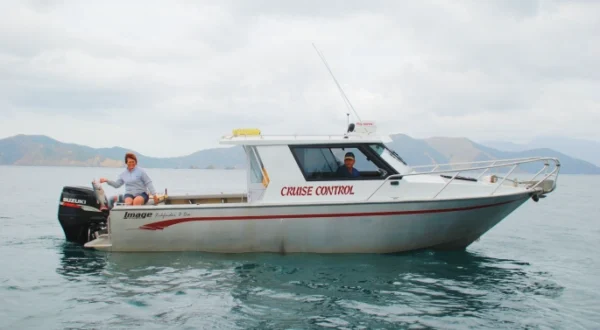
x,y
297,202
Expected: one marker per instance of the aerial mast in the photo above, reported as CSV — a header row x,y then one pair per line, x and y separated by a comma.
x,y
344,97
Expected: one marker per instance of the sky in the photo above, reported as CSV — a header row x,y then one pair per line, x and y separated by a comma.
x,y
168,78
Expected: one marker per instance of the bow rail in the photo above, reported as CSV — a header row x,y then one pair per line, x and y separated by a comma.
x,y
513,164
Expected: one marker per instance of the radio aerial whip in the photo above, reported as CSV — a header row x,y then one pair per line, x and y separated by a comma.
x,y
344,97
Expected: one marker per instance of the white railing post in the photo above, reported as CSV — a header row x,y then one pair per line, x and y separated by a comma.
x,y
540,171
446,185
482,173
504,178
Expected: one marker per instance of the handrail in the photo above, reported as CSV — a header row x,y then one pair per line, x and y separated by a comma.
x,y
513,162
481,161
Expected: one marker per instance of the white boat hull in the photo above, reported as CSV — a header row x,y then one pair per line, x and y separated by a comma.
x,y
298,199
376,227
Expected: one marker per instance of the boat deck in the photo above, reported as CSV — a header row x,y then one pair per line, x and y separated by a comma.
x,y
206,199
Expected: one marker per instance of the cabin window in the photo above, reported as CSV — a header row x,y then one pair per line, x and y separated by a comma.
x,y
323,162
256,173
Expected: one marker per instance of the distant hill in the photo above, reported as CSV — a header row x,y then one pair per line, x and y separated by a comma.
x,y
583,149
43,150
569,165
416,152
438,150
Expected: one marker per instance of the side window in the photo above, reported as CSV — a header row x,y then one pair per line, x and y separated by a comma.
x,y
256,174
316,160
328,163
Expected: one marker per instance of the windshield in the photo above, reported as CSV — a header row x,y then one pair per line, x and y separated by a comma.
x,y
391,157
382,150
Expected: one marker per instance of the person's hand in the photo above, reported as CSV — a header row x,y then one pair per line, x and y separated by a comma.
x,y
102,180
155,199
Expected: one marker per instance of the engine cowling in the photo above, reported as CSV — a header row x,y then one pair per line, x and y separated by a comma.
x,y
79,214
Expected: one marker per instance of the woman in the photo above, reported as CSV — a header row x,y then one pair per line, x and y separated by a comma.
x,y
136,181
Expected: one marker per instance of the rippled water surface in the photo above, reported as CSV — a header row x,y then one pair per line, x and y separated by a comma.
x,y
538,269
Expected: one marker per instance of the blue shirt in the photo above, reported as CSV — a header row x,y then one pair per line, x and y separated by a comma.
x,y
136,181
343,171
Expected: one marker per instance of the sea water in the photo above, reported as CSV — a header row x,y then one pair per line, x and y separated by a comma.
x,y
538,269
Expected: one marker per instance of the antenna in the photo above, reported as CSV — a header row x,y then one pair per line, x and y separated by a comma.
x,y
346,101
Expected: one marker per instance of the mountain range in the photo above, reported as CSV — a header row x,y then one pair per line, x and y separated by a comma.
x,y
578,148
40,150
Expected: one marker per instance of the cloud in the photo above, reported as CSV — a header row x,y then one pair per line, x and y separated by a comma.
x,y
167,80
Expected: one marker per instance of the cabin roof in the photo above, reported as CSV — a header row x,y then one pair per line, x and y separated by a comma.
x,y
302,139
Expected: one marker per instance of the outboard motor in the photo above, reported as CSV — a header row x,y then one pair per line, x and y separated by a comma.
x,y
82,216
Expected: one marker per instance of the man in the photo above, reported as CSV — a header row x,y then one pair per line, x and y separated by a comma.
x,y
348,170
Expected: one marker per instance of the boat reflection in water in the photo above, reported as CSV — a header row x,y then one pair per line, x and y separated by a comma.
x,y
77,263
246,289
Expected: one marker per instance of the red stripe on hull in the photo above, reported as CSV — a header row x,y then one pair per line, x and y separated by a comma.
x,y
167,223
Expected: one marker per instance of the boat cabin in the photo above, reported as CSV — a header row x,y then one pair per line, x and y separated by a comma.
x,y
303,167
